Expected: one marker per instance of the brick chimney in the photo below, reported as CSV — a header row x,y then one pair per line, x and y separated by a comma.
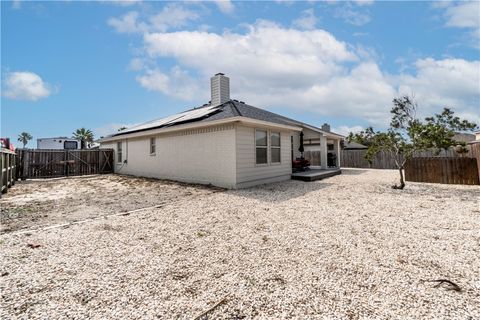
x,y
220,86
326,127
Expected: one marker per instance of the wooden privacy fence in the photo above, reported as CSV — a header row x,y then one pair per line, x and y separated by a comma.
x,y
382,160
60,163
8,165
442,170
475,153
356,159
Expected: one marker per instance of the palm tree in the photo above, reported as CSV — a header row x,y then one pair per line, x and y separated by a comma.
x,y
84,135
24,137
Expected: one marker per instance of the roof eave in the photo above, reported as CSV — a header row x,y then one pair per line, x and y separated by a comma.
x,y
270,124
195,125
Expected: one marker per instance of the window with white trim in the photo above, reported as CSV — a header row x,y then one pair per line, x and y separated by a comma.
x,y
261,147
152,146
275,147
119,152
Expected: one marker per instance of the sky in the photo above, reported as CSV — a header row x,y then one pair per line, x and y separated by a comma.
x,y
107,64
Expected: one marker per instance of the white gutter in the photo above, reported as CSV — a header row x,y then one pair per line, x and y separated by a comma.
x,y
196,125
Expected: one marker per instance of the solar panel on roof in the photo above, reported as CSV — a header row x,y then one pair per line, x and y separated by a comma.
x,y
195,114
176,118
153,123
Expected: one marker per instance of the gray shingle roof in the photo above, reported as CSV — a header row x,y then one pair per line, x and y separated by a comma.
x,y
229,109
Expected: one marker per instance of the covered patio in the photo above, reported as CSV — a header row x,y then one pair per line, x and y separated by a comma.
x,y
322,147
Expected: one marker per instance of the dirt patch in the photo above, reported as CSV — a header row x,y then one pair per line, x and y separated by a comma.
x,y
40,203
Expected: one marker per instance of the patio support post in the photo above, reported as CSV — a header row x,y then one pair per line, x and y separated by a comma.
x,y
323,151
337,152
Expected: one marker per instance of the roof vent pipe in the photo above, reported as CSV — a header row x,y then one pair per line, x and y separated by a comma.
x,y
220,88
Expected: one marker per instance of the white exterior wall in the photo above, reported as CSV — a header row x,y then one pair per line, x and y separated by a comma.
x,y
248,172
310,134
55,143
205,156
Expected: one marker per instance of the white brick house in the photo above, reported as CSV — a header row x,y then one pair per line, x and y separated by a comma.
x,y
226,143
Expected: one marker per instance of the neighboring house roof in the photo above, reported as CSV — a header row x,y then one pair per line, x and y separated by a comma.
x,y
231,109
463,137
354,145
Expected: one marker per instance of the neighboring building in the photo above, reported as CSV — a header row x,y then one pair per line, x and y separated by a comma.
x,y
58,143
226,143
477,136
354,146
463,137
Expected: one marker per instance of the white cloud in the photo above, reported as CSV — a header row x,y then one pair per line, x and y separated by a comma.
x,y
309,70
352,16
464,15
127,23
441,4
265,52
445,83
345,130
363,92
154,80
136,64
25,86
177,83
226,6
170,17
271,65
307,20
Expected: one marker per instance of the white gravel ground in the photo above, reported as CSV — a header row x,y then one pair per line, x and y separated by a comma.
x,y
347,247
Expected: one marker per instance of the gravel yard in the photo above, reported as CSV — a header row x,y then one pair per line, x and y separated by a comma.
x,y
347,247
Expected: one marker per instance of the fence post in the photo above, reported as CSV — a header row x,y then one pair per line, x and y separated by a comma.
x,y
65,159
